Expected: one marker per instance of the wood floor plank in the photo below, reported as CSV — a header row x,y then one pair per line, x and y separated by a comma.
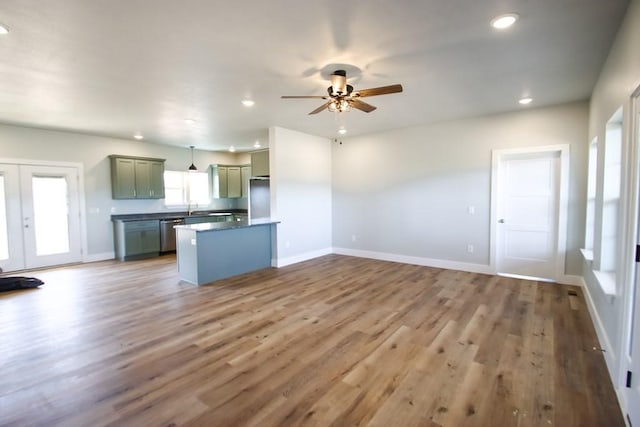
x,y
332,341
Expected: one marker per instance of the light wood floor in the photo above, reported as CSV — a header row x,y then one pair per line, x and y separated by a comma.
x,y
334,341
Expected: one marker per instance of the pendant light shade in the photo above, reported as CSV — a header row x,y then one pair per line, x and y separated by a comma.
x,y
192,167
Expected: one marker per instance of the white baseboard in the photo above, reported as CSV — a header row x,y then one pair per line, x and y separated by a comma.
x,y
283,262
603,338
427,262
569,279
99,257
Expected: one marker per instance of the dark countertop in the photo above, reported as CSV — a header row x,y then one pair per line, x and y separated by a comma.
x,y
214,226
175,215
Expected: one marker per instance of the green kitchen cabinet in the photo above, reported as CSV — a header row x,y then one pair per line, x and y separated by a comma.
x,y
234,183
245,175
260,163
137,177
221,181
228,181
199,219
137,239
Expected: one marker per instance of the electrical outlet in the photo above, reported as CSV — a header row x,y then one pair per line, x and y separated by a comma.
x,y
471,210
470,249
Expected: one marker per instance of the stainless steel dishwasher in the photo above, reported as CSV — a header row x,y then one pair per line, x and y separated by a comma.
x,y
168,234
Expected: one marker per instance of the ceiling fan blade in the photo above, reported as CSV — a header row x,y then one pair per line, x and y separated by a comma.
x,y
383,90
304,96
362,106
320,108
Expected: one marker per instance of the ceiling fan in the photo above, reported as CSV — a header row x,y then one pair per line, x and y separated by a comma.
x,y
342,97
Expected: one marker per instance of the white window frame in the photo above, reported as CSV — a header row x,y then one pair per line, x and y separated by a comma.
x,y
608,239
590,222
186,189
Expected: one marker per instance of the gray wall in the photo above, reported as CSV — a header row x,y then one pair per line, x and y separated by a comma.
x,y
300,194
619,78
407,192
93,151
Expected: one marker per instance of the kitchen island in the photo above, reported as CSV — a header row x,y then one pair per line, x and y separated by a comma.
x,y
212,251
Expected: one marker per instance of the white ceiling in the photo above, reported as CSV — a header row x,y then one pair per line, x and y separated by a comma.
x,y
117,67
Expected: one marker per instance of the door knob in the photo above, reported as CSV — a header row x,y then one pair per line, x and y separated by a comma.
x,y
501,221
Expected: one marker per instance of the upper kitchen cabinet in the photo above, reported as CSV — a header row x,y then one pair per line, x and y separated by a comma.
x,y
137,177
229,181
260,163
245,176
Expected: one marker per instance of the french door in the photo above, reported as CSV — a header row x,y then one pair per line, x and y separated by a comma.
x,y
39,216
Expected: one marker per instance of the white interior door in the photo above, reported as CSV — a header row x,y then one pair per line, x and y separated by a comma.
x,y
41,222
528,215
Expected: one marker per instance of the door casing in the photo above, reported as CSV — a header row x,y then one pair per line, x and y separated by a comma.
x,y
80,191
498,157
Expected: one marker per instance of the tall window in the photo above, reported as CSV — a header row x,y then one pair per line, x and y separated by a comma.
x,y
186,188
611,193
591,195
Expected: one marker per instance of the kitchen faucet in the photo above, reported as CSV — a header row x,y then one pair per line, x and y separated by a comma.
x,y
190,208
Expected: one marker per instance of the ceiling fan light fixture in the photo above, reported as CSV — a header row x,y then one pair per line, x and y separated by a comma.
x,y
339,83
193,167
339,105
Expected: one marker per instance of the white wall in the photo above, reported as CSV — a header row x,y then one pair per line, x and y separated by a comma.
x,y
619,78
93,151
405,194
300,194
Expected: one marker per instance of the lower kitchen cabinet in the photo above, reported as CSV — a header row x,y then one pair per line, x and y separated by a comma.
x,y
137,239
210,218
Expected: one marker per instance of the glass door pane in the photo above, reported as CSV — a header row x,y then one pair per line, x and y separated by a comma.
x,y
11,243
4,238
50,214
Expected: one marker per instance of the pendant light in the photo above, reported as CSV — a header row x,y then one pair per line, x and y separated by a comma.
x,y
192,167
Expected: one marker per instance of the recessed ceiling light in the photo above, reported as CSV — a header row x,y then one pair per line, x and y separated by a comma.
x,y
190,121
504,21
248,102
232,149
342,131
257,144
138,136
525,101
4,29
